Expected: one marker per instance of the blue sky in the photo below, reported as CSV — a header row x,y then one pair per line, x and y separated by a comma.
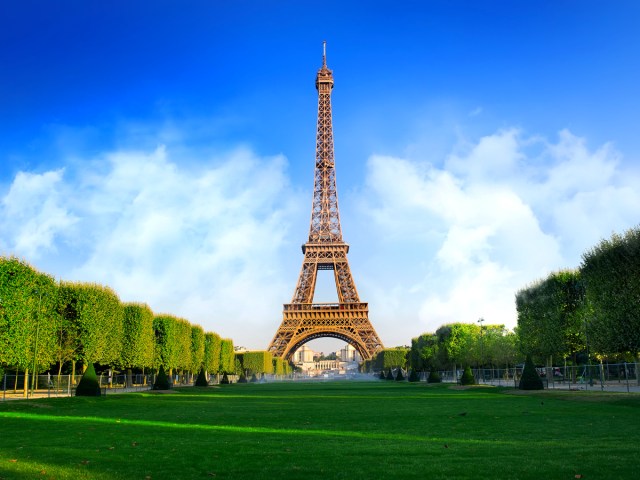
x,y
166,149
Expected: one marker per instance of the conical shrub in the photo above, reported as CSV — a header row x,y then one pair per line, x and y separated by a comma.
x,y
390,375
414,376
467,377
162,380
201,381
254,379
399,375
89,385
225,380
242,379
382,376
434,377
530,379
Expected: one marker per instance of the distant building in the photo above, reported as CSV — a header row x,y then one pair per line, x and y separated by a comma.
x,y
349,354
303,355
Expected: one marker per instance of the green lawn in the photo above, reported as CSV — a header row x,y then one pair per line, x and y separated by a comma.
x,y
331,430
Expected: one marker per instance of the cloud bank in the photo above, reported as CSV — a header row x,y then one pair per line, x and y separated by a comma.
x,y
217,241
498,214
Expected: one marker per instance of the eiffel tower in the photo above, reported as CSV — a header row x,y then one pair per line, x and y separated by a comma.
x,y
303,320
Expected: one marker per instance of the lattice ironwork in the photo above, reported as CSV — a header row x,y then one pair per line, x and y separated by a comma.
x,y
348,319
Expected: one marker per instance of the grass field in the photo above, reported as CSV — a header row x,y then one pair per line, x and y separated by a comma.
x,y
350,430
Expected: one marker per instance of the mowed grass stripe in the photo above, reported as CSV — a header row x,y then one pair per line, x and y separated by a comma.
x,y
321,430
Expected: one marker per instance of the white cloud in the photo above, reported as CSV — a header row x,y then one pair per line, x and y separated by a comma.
x,y
216,241
32,214
204,242
500,214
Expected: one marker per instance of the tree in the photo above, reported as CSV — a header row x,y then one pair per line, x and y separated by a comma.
x,y
95,315
166,347
27,316
212,352
197,348
611,272
138,337
257,362
459,343
424,353
227,359
392,358
550,316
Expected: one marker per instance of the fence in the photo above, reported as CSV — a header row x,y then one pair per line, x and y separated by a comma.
x,y
13,386
617,377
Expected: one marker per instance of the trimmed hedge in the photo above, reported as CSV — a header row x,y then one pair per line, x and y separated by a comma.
x,y
530,379
434,377
467,377
201,381
162,381
89,385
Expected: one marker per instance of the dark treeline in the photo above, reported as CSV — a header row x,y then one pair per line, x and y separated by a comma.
x,y
50,326
589,312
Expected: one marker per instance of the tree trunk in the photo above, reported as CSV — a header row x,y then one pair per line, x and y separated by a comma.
x,y
73,372
129,378
26,382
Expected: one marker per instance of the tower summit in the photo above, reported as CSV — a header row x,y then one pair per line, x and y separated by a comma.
x,y
303,320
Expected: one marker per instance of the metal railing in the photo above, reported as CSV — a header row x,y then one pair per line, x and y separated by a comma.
x,y
13,386
614,377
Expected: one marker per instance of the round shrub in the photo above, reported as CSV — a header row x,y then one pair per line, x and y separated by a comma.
x,y
162,381
201,381
530,379
89,385
434,377
414,376
467,377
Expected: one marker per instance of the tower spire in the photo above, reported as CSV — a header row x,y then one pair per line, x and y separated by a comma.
x,y
324,53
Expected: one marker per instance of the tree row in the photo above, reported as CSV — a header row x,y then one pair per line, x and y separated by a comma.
x,y
593,311
45,325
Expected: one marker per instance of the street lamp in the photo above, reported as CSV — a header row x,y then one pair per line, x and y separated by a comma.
x,y
480,321
35,349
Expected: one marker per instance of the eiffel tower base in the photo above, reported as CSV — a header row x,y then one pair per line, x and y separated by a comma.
x,y
303,322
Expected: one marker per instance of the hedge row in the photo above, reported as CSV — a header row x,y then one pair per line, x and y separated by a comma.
x,y
74,322
592,310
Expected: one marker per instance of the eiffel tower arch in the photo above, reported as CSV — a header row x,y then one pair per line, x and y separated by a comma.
x,y
348,319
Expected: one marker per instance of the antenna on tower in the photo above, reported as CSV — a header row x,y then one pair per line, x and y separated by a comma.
x,y
324,53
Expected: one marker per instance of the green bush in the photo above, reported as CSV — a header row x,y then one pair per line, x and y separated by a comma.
x,y
225,380
162,381
201,381
382,376
399,375
390,375
434,377
414,376
89,385
242,379
467,377
254,379
530,379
